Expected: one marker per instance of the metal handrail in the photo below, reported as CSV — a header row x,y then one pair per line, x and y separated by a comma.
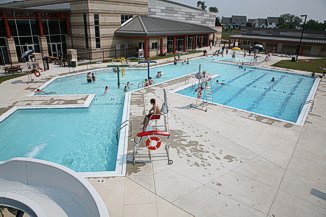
x,y
122,125
141,84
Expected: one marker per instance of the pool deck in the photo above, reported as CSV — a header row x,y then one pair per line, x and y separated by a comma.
x,y
226,162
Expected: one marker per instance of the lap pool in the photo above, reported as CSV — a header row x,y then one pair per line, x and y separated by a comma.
x,y
84,139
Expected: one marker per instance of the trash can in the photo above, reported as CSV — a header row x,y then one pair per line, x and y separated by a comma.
x,y
73,63
46,63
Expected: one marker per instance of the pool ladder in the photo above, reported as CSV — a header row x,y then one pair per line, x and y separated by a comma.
x,y
141,84
312,103
209,92
123,125
189,79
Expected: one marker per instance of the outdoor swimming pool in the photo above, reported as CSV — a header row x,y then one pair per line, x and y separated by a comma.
x,y
251,89
84,139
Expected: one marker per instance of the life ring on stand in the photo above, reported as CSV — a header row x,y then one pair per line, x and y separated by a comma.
x,y
153,143
36,73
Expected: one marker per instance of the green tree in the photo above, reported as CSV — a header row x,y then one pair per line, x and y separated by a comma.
x,y
213,9
202,5
315,25
289,21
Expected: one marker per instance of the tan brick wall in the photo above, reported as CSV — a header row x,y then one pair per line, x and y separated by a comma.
x,y
110,12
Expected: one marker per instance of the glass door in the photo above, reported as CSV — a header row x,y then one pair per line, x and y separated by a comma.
x,y
4,58
56,49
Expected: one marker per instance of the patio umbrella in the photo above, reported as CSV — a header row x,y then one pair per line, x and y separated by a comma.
x,y
236,48
259,47
26,54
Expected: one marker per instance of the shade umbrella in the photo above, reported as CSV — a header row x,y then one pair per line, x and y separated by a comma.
x,y
259,47
236,48
26,54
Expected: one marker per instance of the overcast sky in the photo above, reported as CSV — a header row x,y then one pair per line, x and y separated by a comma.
x,y
315,9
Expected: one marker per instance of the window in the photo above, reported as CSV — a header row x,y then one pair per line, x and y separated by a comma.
x,y
2,29
154,45
54,27
125,17
97,30
141,45
85,30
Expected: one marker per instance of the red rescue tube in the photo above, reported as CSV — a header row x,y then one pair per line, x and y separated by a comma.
x,y
153,132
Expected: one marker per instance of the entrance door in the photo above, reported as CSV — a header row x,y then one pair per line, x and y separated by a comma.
x,y
4,58
56,49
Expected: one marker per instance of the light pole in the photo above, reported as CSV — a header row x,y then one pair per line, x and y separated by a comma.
x,y
299,47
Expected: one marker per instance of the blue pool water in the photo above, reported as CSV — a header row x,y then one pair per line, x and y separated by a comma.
x,y
252,90
84,139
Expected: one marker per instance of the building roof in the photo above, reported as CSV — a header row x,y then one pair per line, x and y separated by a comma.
x,y
281,39
261,21
272,19
226,20
153,26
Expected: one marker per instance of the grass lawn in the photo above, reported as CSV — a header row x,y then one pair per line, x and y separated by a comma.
x,y
172,55
311,65
8,77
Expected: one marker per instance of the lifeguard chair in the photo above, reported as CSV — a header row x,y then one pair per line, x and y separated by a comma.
x,y
155,133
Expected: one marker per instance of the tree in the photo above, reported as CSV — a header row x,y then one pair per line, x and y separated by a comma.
x,y
202,5
213,9
217,22
315,25
289,21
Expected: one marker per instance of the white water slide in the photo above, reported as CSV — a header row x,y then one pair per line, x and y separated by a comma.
x,y
44,189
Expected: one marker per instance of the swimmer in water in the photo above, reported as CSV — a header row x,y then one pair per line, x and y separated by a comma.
x,y
273,79
106,89
219,83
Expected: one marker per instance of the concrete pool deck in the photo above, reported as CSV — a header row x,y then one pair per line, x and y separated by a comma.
x,y
226,162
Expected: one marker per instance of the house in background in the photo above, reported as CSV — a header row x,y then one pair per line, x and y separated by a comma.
x,y
234,22
238,21
261,23
226,22
251,23
272,22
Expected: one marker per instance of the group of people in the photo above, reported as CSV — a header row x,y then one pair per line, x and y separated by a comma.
x,y
90,77
185,61
148,82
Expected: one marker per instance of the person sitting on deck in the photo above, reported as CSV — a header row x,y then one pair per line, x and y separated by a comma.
x,y
154,111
